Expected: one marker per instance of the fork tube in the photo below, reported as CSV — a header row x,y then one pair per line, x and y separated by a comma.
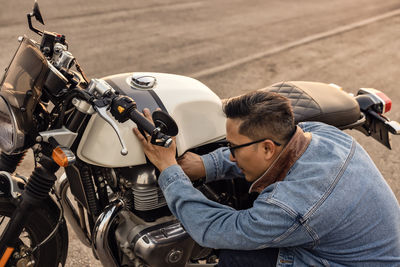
x,y
9,163
37,189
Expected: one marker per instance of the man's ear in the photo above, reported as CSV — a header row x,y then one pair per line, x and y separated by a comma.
x,y
269,149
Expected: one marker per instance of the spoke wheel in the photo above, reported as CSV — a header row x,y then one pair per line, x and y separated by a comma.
x,y
37,228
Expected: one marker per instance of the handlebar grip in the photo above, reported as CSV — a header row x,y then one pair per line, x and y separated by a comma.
x,y
148,127
141,121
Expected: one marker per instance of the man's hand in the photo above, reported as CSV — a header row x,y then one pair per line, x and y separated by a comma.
x,y
192,165
161,157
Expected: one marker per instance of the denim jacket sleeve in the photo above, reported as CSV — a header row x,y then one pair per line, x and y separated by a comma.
x,y
218,166
218,226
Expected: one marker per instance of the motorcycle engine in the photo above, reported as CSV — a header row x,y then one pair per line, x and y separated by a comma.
x,y
163,242
147,233
142,192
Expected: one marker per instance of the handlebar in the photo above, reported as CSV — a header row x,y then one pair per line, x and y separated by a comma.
x,y
98,92
122,108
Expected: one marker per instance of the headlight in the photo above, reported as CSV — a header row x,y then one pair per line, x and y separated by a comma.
x,y
11,138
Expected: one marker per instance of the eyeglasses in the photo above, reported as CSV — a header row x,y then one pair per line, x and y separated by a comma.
x,y
233,148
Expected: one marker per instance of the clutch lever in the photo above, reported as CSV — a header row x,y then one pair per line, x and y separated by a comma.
x,y
99,93
102,111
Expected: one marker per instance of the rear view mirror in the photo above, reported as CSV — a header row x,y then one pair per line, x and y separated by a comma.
x,y
36,13
38,16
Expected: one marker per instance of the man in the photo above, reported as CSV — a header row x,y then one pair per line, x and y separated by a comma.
x,y
321,199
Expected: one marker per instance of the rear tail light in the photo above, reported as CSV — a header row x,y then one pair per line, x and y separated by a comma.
x,y
382,101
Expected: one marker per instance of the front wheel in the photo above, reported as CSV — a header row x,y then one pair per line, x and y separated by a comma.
x,y
38,226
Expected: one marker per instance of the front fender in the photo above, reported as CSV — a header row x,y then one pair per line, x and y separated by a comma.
x,y
11,185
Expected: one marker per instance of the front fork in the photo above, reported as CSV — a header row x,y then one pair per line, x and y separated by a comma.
x,y
37,189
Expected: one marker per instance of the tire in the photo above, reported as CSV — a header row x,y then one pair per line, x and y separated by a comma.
x,y
37,228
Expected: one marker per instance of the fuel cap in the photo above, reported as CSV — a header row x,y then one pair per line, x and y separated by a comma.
x,y
144,82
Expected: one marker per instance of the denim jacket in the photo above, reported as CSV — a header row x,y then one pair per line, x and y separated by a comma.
x,y
333,208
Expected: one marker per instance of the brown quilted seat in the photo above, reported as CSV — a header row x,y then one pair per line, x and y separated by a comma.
x,y
313,101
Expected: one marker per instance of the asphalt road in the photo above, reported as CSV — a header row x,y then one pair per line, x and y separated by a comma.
x,y
231,46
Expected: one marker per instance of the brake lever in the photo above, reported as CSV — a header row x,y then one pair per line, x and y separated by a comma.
x,y
102,111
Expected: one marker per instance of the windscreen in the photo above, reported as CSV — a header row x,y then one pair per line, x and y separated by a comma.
x,y
26,72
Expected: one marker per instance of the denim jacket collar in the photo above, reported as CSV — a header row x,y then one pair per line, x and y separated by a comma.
x,y
288,156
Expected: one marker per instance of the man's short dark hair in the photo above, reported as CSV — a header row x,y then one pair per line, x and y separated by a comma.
x,y
263,114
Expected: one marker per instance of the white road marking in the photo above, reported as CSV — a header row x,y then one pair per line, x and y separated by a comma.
x,y
290,45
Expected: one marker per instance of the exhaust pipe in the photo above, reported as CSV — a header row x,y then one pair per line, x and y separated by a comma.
x,y
70,213
99,242
101,233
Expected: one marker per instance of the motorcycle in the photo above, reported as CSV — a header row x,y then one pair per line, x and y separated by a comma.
x,y
108,190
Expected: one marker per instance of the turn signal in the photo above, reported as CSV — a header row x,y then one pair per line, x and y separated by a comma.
x,y
121,109
63,156
6,256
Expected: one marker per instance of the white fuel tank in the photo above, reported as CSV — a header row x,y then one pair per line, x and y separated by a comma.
x,y
195,108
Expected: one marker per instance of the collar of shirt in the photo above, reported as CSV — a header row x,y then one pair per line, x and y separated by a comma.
x,y
288,156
